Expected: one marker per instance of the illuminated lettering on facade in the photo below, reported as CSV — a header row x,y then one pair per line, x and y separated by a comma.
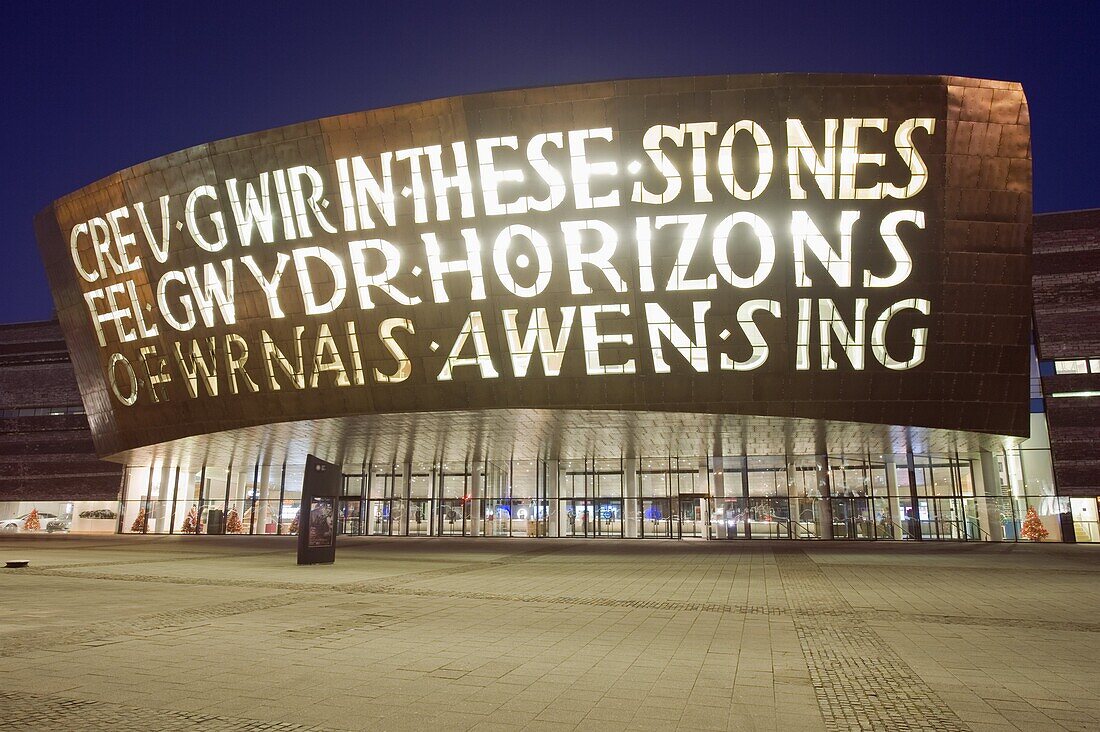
x,y
693,252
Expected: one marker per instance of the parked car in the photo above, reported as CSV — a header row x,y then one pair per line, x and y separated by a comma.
x,y
58,524
18,523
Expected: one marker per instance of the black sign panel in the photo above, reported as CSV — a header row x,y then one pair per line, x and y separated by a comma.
x,y
317,526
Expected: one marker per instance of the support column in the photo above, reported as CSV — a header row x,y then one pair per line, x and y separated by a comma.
x,y
157,515
915,529
896,516
268,494
796,503
553,504
989,512
477,489
403,491
746,512
825,512
632,508
718,493
703,478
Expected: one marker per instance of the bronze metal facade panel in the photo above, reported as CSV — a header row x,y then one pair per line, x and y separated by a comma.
x,y
969,263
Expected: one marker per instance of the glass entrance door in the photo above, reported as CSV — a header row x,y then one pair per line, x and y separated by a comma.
x,y
729,518
349,516
385,510
379,518
769,518
350,510
593,518
692,516
591,503
657,518
453,517
853,518
579,518
452,490
941,518
420,516
609,517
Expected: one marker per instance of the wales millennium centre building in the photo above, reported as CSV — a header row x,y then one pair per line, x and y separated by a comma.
x,y
779,306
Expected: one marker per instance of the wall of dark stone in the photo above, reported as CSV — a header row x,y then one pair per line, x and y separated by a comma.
x,y
1066,281
46,457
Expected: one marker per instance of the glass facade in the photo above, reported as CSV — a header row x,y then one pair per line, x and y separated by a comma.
x,y
1006,495
58,517
907,497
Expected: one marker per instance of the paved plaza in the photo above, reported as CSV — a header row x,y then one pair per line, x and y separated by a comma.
x,y
167,633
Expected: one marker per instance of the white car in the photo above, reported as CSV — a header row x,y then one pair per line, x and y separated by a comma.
x,y
19,523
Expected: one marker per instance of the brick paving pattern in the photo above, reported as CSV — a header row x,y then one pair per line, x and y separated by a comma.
x,y
860,682
209,633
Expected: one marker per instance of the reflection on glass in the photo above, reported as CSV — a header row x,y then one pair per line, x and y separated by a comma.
x,y
865,497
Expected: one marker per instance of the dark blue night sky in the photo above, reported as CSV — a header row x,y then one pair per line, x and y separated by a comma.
x,y
90,88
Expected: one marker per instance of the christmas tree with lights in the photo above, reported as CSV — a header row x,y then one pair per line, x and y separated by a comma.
x,y
138,527
191,522
1033,526
233,523
32,523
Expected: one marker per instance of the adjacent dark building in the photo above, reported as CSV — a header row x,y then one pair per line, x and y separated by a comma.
x,y
47,459
1067,321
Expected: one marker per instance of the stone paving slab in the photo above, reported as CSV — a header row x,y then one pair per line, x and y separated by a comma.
x,y
227,633
35,712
